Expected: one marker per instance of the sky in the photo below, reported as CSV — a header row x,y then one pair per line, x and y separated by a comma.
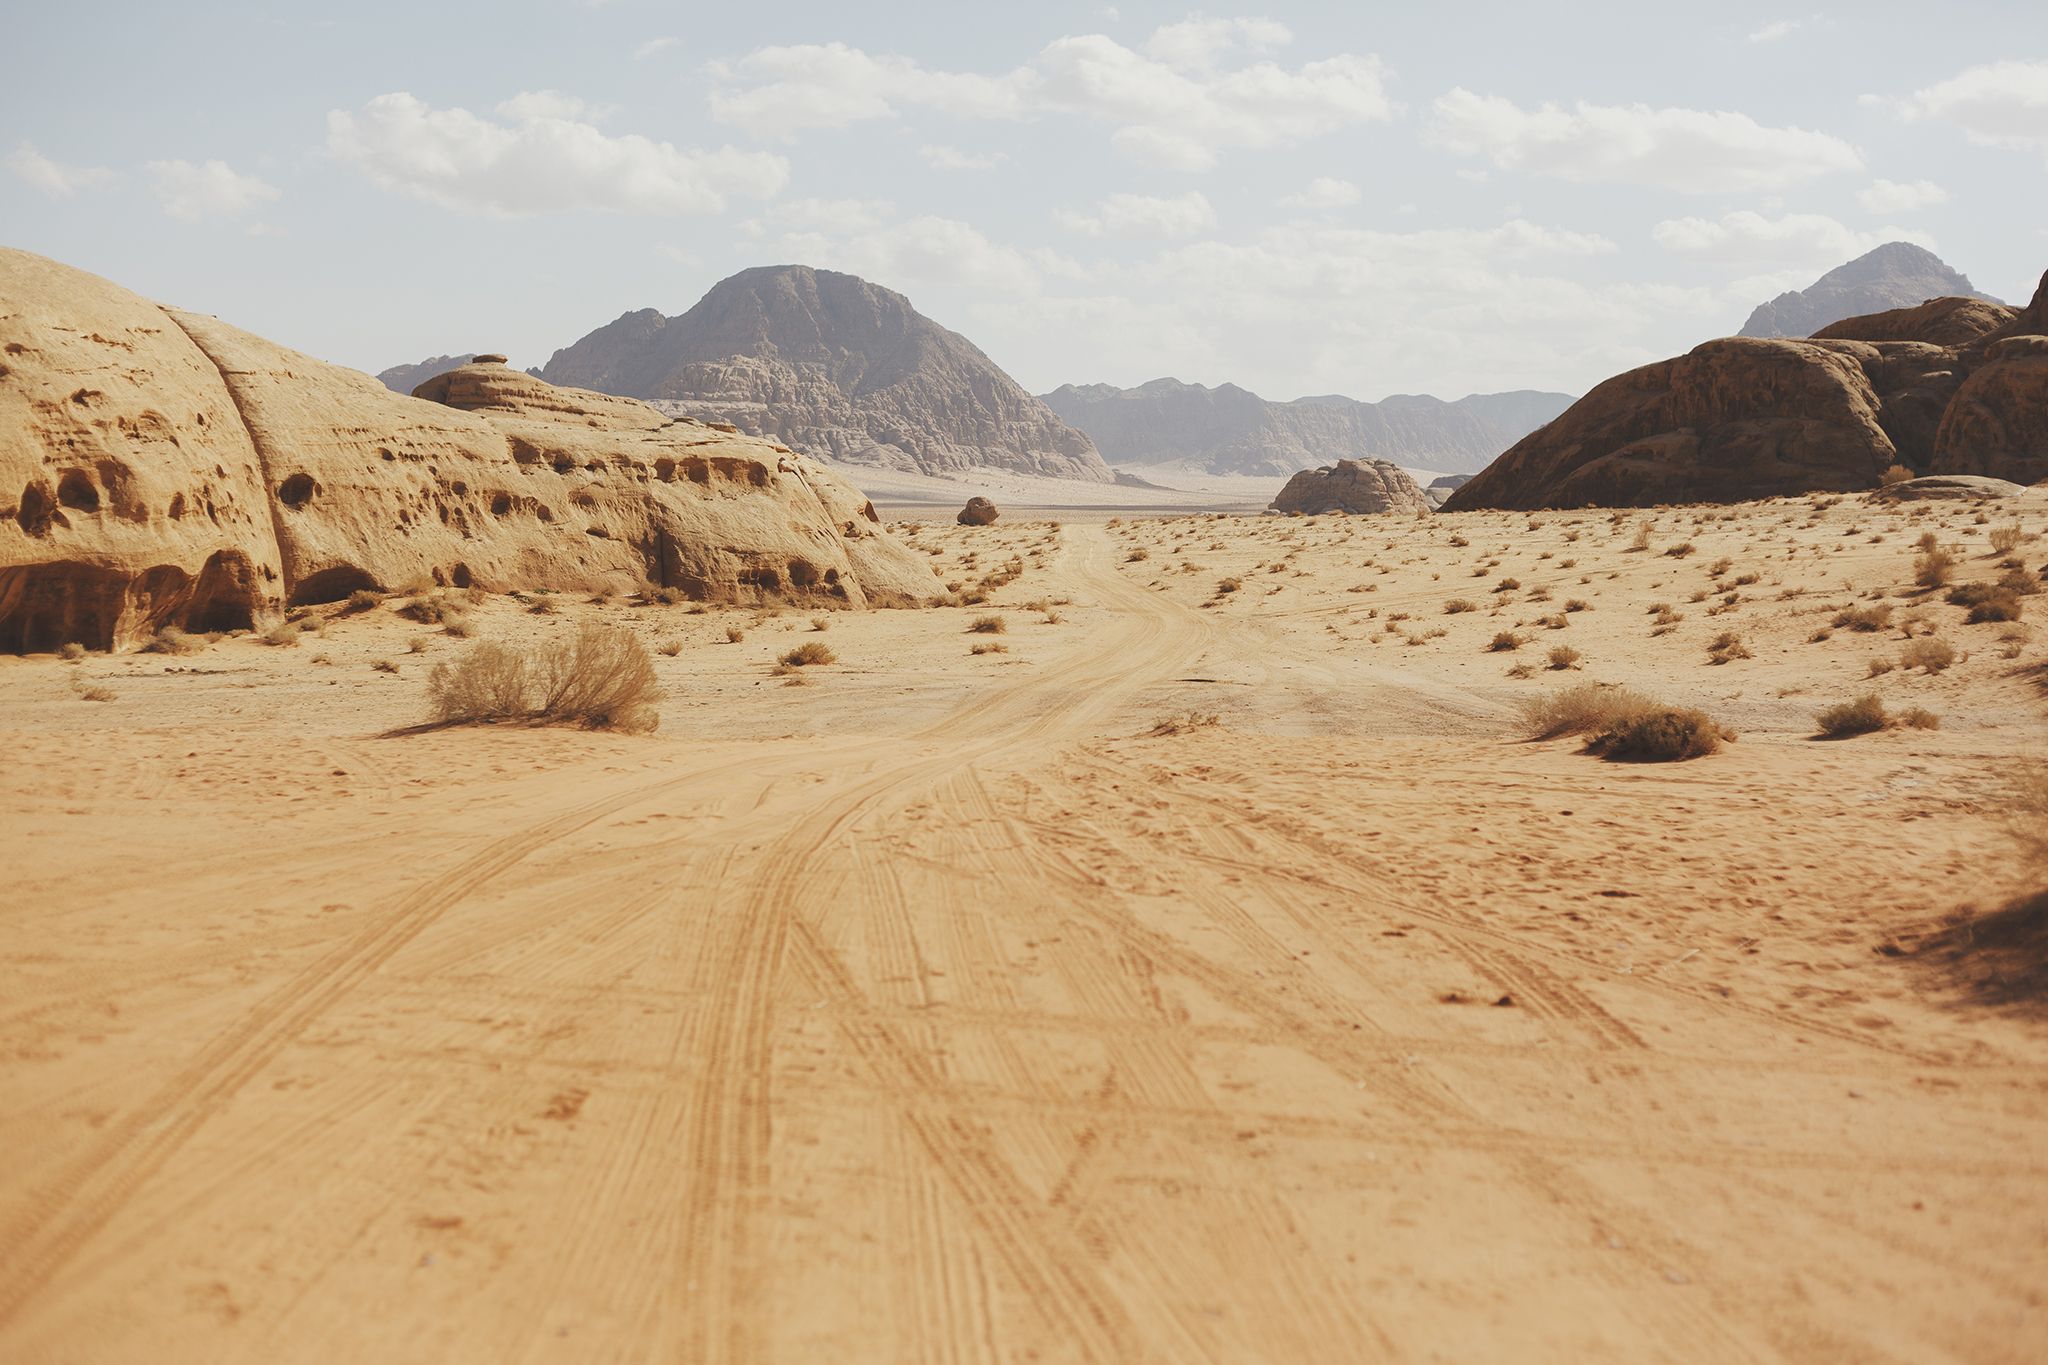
x,y
1356,198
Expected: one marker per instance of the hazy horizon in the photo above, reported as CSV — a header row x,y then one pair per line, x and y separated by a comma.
x,y
1303,201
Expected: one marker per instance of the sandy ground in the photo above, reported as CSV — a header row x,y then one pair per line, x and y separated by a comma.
x,y
937,1008
1174,490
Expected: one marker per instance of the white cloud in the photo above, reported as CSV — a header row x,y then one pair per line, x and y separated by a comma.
x,y
2003,104
942,158
780,91
1142,215
533,106
654,47
925,250
1755,241
54,178
1771,33
193,192
1178,111
1692,150
1195,44
841,215
1892,196
549,158
1324,192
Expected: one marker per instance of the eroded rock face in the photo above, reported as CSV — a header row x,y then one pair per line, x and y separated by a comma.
x,y
131,497
1951,321
1997,424
835,367
1732,419
1353,486
977,512
175,470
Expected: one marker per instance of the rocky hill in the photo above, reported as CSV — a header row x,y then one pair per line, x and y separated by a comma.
x,y
405,378
836,367
1229,430
1750,417
162,468
1895,275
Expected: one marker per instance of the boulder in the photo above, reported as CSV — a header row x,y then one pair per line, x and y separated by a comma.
x,y
1352,486
977,512
175,470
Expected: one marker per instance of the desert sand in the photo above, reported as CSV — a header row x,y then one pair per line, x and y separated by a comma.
x,y
1206,976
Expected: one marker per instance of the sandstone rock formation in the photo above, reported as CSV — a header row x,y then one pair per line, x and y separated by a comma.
x,y
1997,424
1894,276
405,378
1441,488
1743,418
1947,488
833,366
1950,321
977,512
174,470
1229,430
1354,486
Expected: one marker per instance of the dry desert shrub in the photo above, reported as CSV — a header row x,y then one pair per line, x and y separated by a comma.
x,y
171,640
1859,716
362,599
1666,734
1897,473
72,652
989,647
733,635
1987,602
1505,640
1580,709
602,678
1726,646
803,656
988,625
1564,656
1928,655
2006,539
1864,618
671,648
1459,604
285,633
1934,567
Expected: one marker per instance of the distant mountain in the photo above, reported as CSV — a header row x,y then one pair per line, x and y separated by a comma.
x,y
835,367
1895,275
1229,430
405,378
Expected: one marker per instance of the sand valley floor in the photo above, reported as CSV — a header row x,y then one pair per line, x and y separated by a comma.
x,y
1203,975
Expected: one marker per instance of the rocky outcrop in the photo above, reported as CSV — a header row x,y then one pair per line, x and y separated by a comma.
x,y
977,512
1938,322
1997,424
1229,430
1439,489
835,367
1947,488
1897,275
1743,418
1353,486
175,470
406,378
1731,420
131,496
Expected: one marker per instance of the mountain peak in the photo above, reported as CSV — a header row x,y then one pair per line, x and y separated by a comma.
x,y
837,367
1894,275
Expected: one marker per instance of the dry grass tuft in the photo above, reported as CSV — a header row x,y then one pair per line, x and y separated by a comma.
x,y
1665,734
1580,709
1184,722
988,625
1928,655
602,678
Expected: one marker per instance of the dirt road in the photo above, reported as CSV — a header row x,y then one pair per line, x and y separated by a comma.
x,y
980,1028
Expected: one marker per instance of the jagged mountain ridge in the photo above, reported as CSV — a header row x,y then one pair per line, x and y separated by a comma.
x,y
835,367
1231,430
1895,275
